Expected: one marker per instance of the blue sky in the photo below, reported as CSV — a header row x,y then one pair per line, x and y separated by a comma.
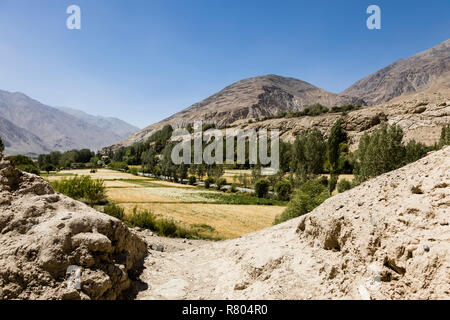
x,y
143,60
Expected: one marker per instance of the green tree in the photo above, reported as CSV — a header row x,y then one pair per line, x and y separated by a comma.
x,y
48,167
262,188
149,160
192,180
310,195
414,151
285,156
283,190
445,136
308,153
332,183
337,136
380,152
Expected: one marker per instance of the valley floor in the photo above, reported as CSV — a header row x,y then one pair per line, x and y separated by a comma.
x,y
185,204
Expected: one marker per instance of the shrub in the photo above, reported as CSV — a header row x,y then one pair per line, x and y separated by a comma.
x,y
208,182
344,185
310,195
119,166
324,180
29,169
233,188
142,219
114,211
262,188
192,180
220,183
134,171
25,164
81,188
166,228
283,189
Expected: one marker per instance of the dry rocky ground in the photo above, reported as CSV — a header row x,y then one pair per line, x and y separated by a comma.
x,y
389,238
43,233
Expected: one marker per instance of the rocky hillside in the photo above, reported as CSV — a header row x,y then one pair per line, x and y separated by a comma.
x,y
43,233
421,116
55,130
113,125
426,72
17,139
388,238
248,99
415,74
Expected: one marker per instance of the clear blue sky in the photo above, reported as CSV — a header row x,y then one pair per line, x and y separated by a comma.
x,y
143,60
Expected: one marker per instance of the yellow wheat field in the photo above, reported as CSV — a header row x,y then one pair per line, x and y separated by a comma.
x,y
230,221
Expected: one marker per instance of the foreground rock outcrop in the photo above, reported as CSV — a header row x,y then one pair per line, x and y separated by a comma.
x,y
388,238
52,247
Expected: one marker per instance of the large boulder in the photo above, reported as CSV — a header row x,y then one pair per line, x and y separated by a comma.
x,y
53,247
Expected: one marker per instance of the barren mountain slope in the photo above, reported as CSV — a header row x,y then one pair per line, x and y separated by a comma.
x,y
57,130
389,238
19,140
421,116
115,126
249,98
417,73
43,233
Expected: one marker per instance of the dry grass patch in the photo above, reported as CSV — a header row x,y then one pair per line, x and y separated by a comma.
x,y
230,221
105,174
120,184
155,194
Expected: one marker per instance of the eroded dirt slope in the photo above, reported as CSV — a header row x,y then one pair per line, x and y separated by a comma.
x,y
389,238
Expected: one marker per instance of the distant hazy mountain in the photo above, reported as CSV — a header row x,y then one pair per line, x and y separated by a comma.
x,y
415,74
31,127
19,140
251,98
115,125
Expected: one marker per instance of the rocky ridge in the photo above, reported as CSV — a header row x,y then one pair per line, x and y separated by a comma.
x,y
43,234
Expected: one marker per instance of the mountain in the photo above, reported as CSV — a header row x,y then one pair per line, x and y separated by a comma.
x,y
427,69
248,99
427,72
31,127
115,125
17,139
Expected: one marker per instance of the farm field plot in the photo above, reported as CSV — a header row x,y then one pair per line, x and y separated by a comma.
x,y
230,216
104,174
229,221
156,194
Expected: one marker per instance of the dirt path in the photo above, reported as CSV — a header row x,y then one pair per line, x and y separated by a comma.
x,y
227,270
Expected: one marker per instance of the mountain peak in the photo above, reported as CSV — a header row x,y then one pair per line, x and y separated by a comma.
x,y
420,72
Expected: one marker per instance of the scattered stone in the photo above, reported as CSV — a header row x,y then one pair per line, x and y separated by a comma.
x,y
157,247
